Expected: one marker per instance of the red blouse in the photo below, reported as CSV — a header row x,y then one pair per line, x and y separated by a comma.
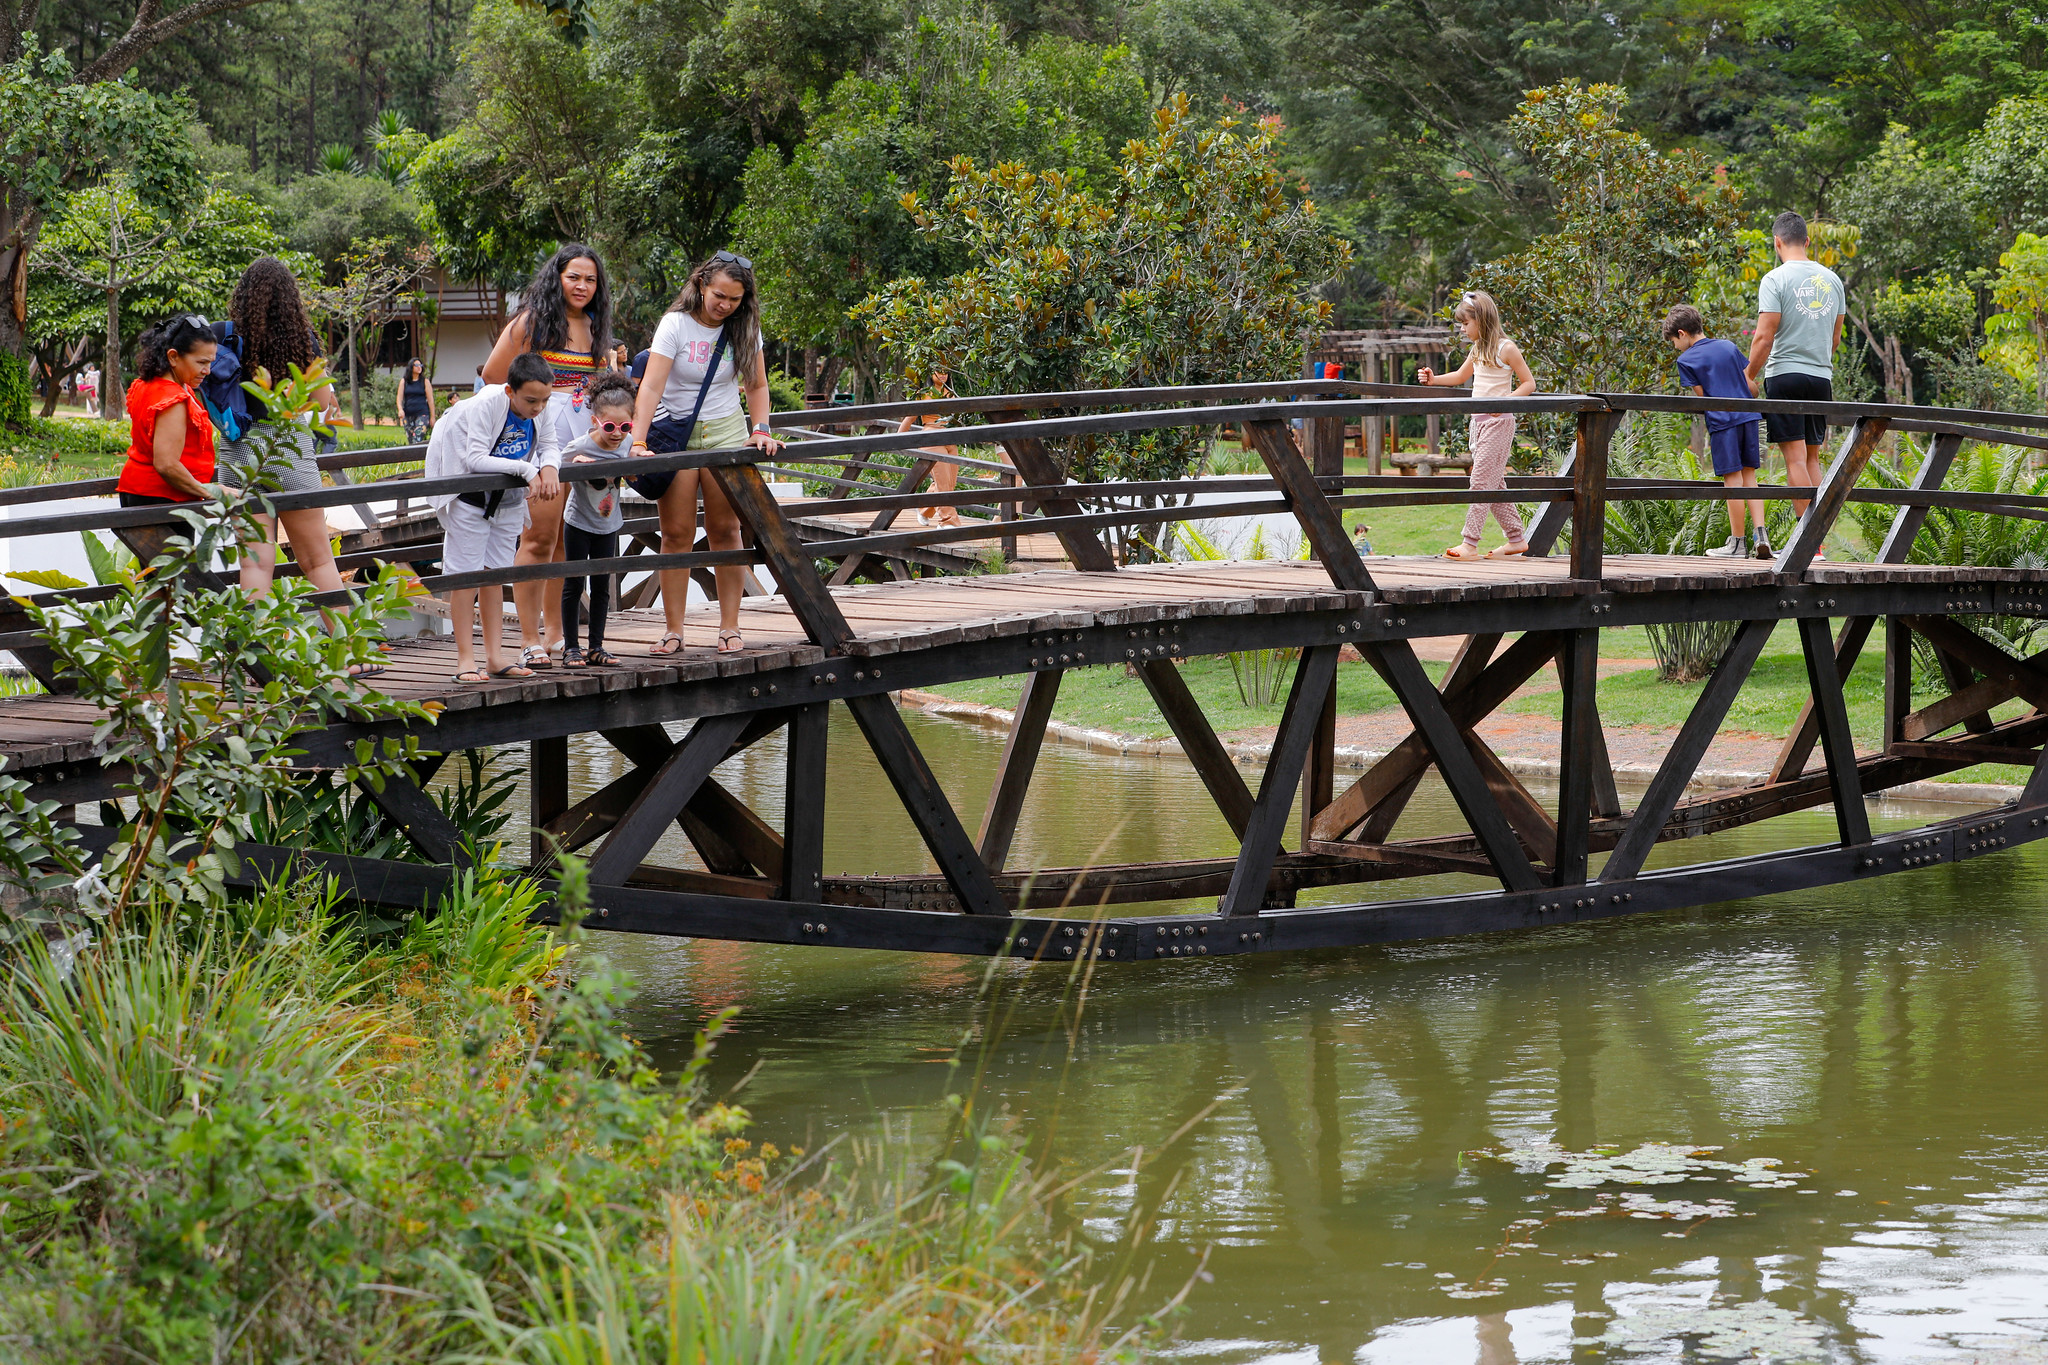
x,y
147,398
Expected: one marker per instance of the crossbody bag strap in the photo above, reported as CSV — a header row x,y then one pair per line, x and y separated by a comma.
x,y
710,373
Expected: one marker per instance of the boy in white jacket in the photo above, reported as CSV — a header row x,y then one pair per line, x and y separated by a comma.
x,y
492,433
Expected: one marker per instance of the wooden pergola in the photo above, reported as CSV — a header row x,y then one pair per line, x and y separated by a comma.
x,y
1386,355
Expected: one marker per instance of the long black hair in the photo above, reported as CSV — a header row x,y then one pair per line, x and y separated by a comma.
x,y
743,327
547,316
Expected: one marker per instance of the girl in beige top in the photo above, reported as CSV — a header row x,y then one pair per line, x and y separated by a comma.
x,y
1495,369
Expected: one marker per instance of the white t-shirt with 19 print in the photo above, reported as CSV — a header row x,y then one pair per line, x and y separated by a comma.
x,y
688,343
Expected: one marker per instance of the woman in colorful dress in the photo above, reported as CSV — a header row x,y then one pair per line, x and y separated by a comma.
x,y
566,315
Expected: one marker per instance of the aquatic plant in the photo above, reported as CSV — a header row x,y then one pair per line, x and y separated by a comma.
x,y
1759,1331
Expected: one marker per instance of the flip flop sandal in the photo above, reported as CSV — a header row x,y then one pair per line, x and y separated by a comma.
x,y
474,675
512,671
1460,551
1507,551
729,642
572,658
535,656
367,670
659,652
602,658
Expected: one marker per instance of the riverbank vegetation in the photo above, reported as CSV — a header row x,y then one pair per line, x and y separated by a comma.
x,y
242,1120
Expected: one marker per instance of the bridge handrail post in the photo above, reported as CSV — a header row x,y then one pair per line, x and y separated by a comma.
x,y
1595,429
1831,497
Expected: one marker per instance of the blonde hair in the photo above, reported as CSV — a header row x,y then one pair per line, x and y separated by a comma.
x,y
1478,306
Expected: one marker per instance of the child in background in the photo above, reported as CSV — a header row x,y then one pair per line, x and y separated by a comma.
x,y
492,433
1714,368
591,521
1496,369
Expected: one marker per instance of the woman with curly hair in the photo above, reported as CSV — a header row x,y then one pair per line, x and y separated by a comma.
x,y
274,334
566,315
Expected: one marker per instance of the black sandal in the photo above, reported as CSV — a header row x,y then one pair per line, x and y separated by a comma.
x,y
600,657
572,657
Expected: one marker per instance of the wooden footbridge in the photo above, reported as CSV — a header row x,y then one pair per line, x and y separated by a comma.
x,y
812,645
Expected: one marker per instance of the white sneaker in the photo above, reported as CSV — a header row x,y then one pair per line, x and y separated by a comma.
x,y
1736,548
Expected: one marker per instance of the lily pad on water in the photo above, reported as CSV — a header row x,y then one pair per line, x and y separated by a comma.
x,y
1759,1331
1652,1163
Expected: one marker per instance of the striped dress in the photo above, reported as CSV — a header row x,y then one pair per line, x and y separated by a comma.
x,y
572,370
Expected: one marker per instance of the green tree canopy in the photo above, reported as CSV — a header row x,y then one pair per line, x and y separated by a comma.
x,y
1194,267
827,226
1636,228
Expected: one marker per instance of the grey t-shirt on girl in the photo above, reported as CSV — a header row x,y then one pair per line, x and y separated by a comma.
x,y
593,504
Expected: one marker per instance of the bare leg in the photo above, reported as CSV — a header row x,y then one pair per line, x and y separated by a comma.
x,y
462,617
306,529
259,560
1736,518
946,479
1756,506
722,526
492,601
539,543
1799,470
678,508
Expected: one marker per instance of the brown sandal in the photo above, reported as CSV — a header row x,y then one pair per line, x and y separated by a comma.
x,y
1462,551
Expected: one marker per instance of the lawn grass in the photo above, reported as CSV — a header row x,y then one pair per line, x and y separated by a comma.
x,y
1106,698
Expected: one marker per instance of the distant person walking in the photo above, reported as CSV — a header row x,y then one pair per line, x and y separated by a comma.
x,y
416,402
1798,325
706,388
566,316
1495,369
274,334
89,389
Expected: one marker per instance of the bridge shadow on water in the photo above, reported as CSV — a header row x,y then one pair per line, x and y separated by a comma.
x,y
1886,1039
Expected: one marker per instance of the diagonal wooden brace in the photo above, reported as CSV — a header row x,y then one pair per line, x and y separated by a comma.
x,y
1897,548
1313,673
1812,531
1212,762
1397,664
1852,821
926,802
663,798
1319,521
1682,760
1468,699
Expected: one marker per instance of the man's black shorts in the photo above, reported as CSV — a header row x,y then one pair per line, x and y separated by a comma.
x,y
1795,388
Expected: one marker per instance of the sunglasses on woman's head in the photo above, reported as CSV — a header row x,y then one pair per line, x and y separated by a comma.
x,y
732,258
609,427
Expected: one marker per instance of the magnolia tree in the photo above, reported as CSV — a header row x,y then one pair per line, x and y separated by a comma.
x,y
1636,227
1195,266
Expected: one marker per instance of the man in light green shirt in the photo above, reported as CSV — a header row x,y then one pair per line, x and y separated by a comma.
x,y
1798,325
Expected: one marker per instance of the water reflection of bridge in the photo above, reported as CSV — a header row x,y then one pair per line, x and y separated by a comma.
x,y
814,646
1323,1106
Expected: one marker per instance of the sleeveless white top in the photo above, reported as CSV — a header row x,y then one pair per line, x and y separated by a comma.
x,y
1491,381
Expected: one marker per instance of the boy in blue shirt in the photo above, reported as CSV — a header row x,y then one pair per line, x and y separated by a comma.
x,y
1713,368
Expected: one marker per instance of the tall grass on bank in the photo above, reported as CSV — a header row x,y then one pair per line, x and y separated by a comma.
x,y
264,1142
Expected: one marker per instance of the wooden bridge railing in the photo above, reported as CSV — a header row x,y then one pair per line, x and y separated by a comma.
x,y
1505,825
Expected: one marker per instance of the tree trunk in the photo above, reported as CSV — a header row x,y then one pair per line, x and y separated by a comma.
x,y
113,394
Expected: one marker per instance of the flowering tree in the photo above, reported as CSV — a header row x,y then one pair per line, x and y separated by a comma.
x,y
1636,228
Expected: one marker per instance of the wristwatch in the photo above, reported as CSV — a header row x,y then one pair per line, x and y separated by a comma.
x,y
760,428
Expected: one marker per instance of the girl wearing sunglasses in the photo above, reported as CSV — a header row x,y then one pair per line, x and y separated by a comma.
x,y
591,520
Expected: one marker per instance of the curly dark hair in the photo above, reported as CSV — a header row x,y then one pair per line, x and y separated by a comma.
x,y
609,389
547,315
271,317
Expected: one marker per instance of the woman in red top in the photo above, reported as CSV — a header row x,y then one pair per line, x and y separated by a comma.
x,y
170,450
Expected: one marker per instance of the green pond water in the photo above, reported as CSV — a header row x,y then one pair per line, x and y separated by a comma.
x,y
1307,1122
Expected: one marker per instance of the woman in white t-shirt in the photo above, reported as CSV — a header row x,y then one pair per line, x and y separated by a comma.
x,y
706,359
